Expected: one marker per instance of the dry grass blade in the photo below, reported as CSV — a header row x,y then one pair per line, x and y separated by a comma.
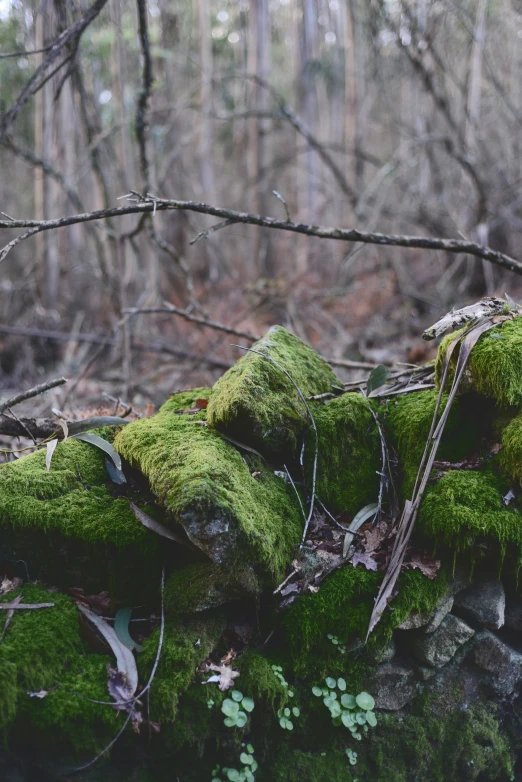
x,y
407,522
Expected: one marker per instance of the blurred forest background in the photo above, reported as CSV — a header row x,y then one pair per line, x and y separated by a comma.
x,y
398,116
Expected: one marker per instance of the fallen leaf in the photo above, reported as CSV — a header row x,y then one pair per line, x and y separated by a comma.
x,y
374,536
200,404
156,527
126,664
103,445
365,559
51,445
226,676
39,694
7,585
121,628
416,561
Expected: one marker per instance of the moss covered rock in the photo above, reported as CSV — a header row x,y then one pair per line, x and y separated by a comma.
x,y
495,366
408,421
255,401
465,509
230,503
198,586
43,651
349,453
69,527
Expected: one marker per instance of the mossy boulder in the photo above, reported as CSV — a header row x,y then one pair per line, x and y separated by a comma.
x,y
42,651
408,421
495,365
464,510
229,502
349,453
67,525
256,403
198,586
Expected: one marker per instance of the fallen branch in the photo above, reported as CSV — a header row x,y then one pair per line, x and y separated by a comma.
x,y
353,235
14,606
32,392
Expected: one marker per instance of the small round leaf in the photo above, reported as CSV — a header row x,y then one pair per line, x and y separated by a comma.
x,y
237,696
371,719
341,683
247,704
229,708
348,701
330,683
365,701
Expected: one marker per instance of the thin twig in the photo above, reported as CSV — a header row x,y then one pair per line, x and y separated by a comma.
x,y
32,392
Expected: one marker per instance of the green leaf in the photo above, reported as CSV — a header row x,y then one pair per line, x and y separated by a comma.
x,y
121,628
246,759
347,719
378,377
233,775
365,701
250,748
317,691
295,711
247,704
348,701
331,683
289,725
230,722
99,442
371,719
287,712
341,683
360,718
237,696
230,708
241,719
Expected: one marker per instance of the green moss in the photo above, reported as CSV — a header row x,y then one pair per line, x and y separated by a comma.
x,y
349,453
342,606
408,420
184,400
255,401
510,456
465,508
199,586
495,365
294,765
42,650
186,644
206,484
72,498
259,681
461,745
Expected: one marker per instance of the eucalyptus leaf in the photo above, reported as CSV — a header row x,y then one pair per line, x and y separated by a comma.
x,y
121,628
99,442
51,445
378,377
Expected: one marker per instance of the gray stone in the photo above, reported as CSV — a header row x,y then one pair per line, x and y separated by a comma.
x,y
438,648
486,603
513,618
394,685
498,659
424,673
428,620
383,655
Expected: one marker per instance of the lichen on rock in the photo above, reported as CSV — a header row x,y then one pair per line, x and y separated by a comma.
x,y
256,402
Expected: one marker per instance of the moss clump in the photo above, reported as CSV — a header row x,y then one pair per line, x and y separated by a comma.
x,y
259,681
42,650
463,744
408,420
72,498
186,644
495,366
342,606
257,403
206,484
184,400
465,508
510,456
199,586
348,453
293,765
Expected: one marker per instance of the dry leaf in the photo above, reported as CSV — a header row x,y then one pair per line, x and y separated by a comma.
x,y
365,559
226,676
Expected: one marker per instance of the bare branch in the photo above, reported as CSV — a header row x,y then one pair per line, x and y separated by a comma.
x,y
145,93
69,38
323,232
32,392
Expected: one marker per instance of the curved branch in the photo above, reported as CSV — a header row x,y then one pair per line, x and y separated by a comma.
x,y
145,205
